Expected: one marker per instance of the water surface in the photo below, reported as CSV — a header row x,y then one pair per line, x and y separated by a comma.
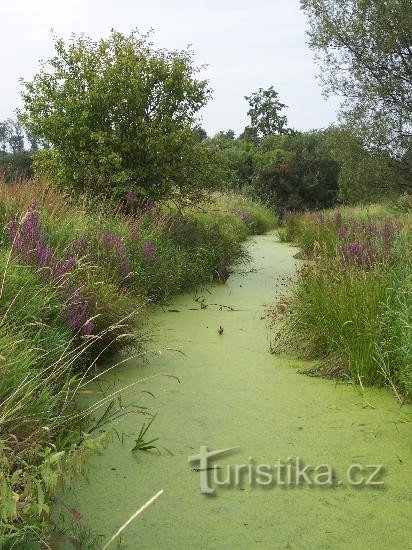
x,y
233,392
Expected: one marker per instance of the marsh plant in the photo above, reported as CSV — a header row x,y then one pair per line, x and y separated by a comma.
x,y
74,285
352,305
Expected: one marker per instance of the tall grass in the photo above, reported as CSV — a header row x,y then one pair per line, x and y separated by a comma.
x,y
74,285
351,306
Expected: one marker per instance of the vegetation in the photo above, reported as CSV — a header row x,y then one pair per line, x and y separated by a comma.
x,y
365,56
74,287
351,306
120,116
292,170
113,197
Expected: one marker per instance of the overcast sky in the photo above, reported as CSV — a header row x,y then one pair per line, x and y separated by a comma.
x,y
246,45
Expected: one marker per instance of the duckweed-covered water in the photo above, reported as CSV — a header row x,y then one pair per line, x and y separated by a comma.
x,y
234,393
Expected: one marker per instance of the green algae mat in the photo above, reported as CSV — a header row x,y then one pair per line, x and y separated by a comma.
x,y
314,464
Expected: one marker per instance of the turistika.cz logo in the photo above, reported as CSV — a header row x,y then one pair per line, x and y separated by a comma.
x,y
288,473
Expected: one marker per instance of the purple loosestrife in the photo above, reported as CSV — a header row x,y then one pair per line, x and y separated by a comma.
x,y
338,219
321,217
148,249
63,267
342,231
75,311
148,205
368,243
28,241
79,244
243,214
116,243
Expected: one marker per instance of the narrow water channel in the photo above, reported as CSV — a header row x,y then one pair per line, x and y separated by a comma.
x,y
234,393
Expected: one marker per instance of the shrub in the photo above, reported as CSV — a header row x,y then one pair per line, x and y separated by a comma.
x,y
120,117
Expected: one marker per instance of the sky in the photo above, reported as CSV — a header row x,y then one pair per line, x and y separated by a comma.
x,y
245,45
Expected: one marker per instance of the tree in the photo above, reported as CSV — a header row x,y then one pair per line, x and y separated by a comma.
x,y
4,135
364,48
16,136
297,171
265,113
365,175
200,133
119,115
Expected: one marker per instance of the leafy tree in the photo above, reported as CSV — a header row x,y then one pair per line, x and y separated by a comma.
x,y
250,134
229,134
16,136
365,175
34,142
297,171
16,166
265,113
119,115
4,135
200,133
365,52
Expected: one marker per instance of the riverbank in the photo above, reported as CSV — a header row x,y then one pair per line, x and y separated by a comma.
x,y
76,283
234,393
351,307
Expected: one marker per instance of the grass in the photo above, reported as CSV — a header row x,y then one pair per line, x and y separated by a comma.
x,y
75,283
351,306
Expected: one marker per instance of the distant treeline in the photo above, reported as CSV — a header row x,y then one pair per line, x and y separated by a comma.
x,y
16,150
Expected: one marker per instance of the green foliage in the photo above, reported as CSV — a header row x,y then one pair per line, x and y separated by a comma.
x,y
364,51
351,306
143,444
16,166
119,115
365,175
265,113
298,171
292,171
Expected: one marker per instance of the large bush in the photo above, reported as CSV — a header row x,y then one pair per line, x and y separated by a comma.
x,y
119,115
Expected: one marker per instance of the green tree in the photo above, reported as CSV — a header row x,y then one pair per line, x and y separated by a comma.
x,y
200,133
365,175
15,135
4,135
297,171
364,48
265,113
119,115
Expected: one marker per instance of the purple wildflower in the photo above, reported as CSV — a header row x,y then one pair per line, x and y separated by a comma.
x,y
342,231
76,308
148,249
244,215
29,243
321,217
120,250
88,328
63,267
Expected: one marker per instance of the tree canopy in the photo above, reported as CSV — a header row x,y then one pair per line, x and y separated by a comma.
x,y
364,48
119,115
266,113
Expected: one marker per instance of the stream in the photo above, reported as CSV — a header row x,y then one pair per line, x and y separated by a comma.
x,y
233,393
